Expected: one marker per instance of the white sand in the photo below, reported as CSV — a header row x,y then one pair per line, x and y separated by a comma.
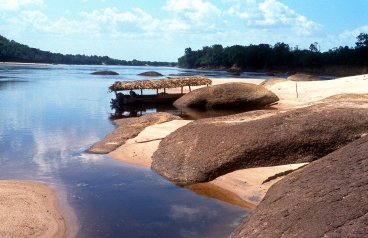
x,y
246,184
251,185
140,149
294,94
29,209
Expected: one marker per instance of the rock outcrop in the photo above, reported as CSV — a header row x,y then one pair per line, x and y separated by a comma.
x,y
227,95
105,73
328,198
303,77
272,81
128,128
150,73
207,148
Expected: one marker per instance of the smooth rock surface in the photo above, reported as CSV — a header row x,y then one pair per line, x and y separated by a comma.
x,y
328,198
303,77
206,149
150,73
106,72
268,82
128,128
227,95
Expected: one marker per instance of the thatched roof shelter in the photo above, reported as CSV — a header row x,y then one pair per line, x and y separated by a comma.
x,y
160,83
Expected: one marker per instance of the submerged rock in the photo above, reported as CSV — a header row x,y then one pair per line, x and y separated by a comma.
x,y
328,198
227,95
206,149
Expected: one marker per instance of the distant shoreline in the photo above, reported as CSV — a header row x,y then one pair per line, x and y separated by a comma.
x,y
22,63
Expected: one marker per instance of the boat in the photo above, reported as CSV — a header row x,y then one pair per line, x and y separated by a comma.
x,y
132,98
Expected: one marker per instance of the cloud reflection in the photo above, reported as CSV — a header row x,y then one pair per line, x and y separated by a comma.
x,y
55,149
182,212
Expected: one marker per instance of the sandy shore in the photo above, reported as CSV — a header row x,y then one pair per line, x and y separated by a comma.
x,y
300,94
29,209
243,187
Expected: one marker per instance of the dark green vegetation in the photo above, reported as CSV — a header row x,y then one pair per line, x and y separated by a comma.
x,y
278,57
11,51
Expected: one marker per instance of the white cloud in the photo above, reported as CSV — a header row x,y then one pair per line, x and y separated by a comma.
x,y
185,23
354,33
11,5
137,21
194,14
180,212
36,20
272,14
350,37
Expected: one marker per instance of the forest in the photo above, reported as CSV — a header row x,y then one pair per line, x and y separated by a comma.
x,y
278,57
11,51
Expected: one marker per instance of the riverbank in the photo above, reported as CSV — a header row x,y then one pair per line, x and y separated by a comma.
x,y
30,209
244,187
21,63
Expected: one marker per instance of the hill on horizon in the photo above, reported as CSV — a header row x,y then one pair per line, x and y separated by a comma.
x,y
12,51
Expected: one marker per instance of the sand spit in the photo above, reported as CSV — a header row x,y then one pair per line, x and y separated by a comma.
x,y
29,209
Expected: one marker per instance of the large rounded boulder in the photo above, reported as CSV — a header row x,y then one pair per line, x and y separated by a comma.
x,y
328,198
206,149
105,72
150,73
227,95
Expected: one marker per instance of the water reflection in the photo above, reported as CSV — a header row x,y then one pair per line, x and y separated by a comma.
x,y
126,111
185,113
51,114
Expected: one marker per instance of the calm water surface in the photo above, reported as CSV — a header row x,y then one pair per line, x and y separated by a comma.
x,y
51,114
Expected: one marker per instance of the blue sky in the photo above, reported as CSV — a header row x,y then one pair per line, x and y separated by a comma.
x,y
160,30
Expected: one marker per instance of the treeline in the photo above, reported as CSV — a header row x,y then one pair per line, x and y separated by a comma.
x,y
11,51
280,56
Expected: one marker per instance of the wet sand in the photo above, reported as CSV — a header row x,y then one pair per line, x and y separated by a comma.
x,y
30,209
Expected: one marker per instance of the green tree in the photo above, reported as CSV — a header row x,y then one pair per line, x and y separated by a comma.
x,y
362,40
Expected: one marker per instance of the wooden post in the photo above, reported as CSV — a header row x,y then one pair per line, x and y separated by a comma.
x,y
157,90
181,90
141,91
190,89
164,90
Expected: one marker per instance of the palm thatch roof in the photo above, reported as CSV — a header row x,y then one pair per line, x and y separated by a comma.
x,y
160,83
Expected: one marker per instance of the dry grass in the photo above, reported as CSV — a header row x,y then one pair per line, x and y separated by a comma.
x,y
160,83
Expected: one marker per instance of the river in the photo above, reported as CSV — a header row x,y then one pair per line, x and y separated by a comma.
x,y
50,114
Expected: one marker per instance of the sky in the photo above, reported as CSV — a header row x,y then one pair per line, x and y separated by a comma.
x,y
160,30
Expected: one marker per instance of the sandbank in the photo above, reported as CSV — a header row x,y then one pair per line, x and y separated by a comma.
x,y
300,94
243,187
29,209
